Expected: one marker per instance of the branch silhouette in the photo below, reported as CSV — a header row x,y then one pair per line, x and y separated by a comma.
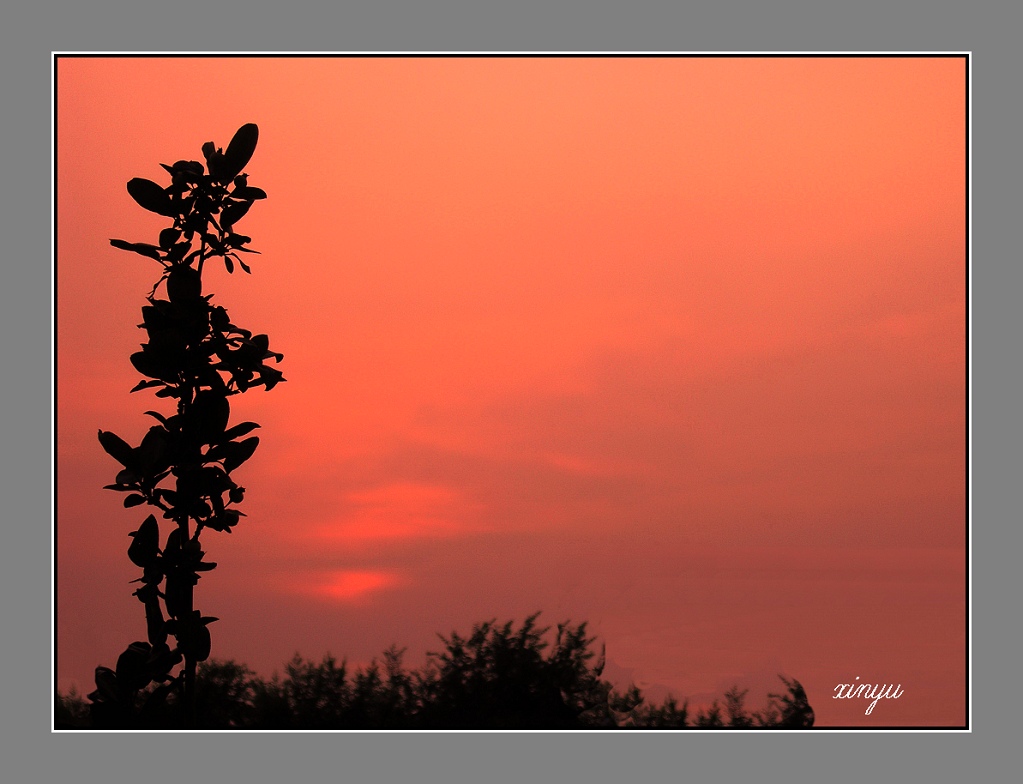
x,y
183,467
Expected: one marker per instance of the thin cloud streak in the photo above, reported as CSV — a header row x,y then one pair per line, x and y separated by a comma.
x,y
345,585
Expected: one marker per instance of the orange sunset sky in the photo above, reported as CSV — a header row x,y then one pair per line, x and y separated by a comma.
x,y
673,345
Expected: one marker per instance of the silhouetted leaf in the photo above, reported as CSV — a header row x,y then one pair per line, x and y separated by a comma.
x,y
219,319
131,666
149,591
193,636
239,151
155,624
106,684
177,252
211,480
246,266
151,452
133,500
211,412
161,660
151,196
271,377
184,284
148,365
192,167
173,546
145,543
249,193
177,591
189,171
224,521
233,213
117,448
216,246
168,237
237,243
202,644
154,317
239,430
146,385
142,248
240,452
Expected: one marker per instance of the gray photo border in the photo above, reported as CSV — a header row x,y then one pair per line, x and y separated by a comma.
x,y
31,34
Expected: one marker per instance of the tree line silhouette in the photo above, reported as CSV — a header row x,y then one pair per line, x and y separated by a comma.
x,y
498,677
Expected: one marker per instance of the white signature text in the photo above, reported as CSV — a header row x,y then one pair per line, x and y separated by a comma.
x,y
873,692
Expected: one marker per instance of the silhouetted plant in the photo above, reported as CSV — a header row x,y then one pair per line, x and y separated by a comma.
x,y
735,701
711,716
792,706
183,466
313,696
71,711
627,707
224,694
668,715
499,678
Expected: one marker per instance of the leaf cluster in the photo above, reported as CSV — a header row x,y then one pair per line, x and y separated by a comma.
x,y
205,203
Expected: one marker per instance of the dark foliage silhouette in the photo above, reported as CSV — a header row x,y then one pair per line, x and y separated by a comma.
x,y
498,677
183,467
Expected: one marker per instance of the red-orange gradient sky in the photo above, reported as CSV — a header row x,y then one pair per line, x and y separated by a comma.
x,y
673,345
